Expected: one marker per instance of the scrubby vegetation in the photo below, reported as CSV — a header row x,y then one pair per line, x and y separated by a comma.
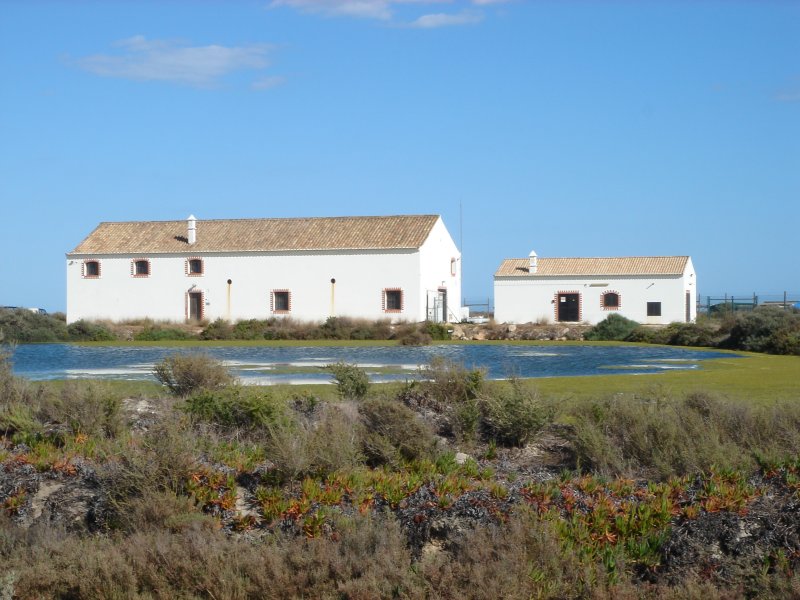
x,y
765,329
449,487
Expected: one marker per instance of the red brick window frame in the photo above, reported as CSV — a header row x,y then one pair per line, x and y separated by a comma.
x,y
280,302
140,267
611,300
90,269
194,267
392,300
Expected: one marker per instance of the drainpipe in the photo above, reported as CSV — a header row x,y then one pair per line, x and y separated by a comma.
x,y
228,310
333,296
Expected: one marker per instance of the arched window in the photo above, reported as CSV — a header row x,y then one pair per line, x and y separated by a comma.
x,y
91,269
194,266
141,268
611,300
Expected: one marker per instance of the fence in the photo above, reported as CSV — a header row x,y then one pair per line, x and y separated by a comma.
x,y
747,302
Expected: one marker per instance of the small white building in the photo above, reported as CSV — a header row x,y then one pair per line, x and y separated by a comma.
x,y
647,289
395,267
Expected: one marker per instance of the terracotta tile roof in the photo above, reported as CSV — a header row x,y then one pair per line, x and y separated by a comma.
x,y
260,235
624,265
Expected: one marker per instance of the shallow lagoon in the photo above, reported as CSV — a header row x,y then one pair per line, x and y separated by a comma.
x,y
267,365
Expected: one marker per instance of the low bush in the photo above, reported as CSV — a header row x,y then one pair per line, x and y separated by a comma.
x,y
186,373
415,338
84,408
24,326
351,381
656,436
217,330
456,390
159,333
235,406
393,433
613,328
769,329
86,331
512,415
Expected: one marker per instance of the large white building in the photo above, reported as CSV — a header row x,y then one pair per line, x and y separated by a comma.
x,y
394,267
647,289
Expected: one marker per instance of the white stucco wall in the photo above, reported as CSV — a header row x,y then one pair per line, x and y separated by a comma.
x,y
440,268
361,277
530,299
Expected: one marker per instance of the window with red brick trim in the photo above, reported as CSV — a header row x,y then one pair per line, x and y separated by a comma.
x,y
611,301
280,301
91,269
392,300
194,267
140,267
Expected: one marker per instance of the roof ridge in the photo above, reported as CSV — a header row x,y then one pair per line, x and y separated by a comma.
x,y
428,215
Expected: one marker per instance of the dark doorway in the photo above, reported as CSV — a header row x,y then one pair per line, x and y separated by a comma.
x,y
196,306
569,307
688,307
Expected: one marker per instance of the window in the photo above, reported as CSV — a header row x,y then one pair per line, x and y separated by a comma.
x,y
453,267
141,268
91,268
610,300
281,301
654,309
194,266
393,300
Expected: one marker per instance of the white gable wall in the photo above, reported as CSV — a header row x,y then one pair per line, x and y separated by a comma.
x,y
531,299
440,268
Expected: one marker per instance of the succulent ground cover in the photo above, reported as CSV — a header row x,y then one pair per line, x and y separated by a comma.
x,y
427,491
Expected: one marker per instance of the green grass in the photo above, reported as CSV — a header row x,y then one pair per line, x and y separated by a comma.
x,y
753,377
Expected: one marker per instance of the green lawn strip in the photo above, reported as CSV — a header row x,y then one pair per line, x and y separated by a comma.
x,y
753,377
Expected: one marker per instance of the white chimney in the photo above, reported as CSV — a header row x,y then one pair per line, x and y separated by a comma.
x,y
192,229
533,266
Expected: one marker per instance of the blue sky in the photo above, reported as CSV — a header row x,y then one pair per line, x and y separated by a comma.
x,y
572,128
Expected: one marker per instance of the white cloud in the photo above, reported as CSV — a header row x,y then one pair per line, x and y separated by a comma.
x,y
385,9
373,9
165,60
446,20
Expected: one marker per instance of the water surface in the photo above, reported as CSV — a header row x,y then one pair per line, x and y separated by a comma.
x,y
293,364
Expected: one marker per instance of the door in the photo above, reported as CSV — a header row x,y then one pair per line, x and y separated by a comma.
x,y
569,307
441,306
195,306
688,307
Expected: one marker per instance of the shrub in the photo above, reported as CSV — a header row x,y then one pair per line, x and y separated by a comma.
x,y
513,414
83,407
768,329
415,338
217,330
394,434
24,326
186,373
613,328
659,436
450,382
234,406
351,381
157,333
85,331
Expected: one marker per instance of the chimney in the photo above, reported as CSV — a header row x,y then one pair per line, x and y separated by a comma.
x,y
191,223
533,266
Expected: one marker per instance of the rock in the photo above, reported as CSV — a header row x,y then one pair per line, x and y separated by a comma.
x,y
461,458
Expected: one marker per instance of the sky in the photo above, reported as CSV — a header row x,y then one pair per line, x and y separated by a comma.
x,y
572,128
